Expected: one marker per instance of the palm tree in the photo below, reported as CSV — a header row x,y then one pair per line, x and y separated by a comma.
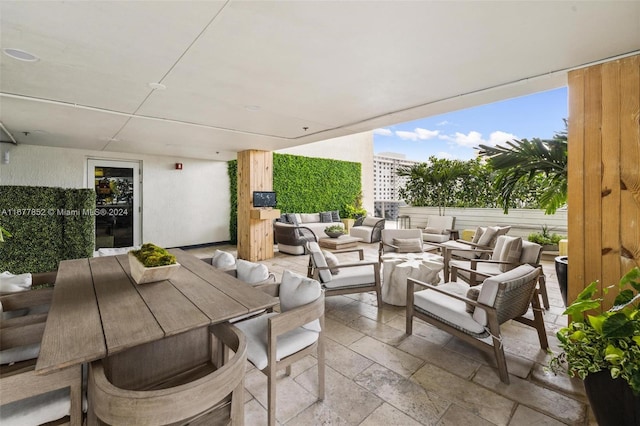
x,y
527,161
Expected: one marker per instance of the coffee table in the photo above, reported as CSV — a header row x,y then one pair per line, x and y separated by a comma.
x,y
345,241
397,267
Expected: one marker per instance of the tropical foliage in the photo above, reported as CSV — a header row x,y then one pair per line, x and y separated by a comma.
x,y
545,237
523,163
607,340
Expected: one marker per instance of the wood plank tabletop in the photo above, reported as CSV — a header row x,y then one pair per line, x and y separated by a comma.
x,y
73,332
97,309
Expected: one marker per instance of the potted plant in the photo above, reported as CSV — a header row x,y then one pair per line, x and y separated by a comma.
x,y
603,348
548,241
334,231
151,263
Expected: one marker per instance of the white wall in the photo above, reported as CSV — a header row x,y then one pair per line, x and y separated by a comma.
x,y
357,148
179,207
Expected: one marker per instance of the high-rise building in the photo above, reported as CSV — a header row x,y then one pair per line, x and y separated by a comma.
x,y
387,184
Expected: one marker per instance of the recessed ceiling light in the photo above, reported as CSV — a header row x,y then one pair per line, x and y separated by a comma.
x,y
157,86
20,54
252,107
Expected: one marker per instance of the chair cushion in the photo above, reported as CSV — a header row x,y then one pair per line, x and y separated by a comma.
x,y
511,251
19,353
485,268
490,287
250,272
435,238
332,262
363,232
10,283
255,330
453,311
354,276
439,224
297,290
222,259
370,221
530,252
319,261
408,245
37,410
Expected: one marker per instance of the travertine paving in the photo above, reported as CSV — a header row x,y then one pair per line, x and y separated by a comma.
x,y
378,375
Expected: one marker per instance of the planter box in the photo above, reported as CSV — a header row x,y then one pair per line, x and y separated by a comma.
x,y
142,274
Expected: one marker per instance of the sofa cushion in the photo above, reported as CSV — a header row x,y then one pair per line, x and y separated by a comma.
x,y
325,217
310,217
335,215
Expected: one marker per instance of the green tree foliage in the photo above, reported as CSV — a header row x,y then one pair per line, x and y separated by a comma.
x,y
527,163
454,183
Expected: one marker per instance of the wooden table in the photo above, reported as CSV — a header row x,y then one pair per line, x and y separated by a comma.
x,y
342,242
98,311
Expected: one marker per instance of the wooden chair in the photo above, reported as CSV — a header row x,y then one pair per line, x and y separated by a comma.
x,y
474,313
28,398
291,335
503,258
355,277
212,393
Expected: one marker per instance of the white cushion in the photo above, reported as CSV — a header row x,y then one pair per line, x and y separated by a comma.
x,y
370,221
439,224
255,330
388,235
485,268
530,252
488,236
297,290
363,232
250,272
222,259
10,283
310,217
19,353
435,238
510,252
332,262
354,276
449,309
465,250
37,410
320,261
408,245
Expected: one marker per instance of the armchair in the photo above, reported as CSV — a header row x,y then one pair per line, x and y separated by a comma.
x,y
275,341
402,241
347,278
292,239
508,253
475,313
368,228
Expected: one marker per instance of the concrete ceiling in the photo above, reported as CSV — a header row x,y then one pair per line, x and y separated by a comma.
x,y
270,75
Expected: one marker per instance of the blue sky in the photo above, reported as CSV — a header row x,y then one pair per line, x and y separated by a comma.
x,y
454,135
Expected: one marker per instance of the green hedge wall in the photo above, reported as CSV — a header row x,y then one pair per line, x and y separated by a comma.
x,y
47,225
305,185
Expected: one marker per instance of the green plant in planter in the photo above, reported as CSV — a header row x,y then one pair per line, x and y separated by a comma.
x,y
150,255
545,238
334,229
608,340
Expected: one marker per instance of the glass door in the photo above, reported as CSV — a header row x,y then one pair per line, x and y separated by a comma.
x,y
117,185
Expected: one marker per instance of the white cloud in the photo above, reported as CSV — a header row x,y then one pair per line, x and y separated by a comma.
x,y
444,123
473,138
417,134
382,132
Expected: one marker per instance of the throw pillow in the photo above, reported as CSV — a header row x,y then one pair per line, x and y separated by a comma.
x,y
325,217
297,290
433,231
284,218
309,217
292,219
252,273
511,251
408,245
478,234
332,262
473,294
222,259
488,236
335,215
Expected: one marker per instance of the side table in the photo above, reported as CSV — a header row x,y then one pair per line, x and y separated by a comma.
x,y
397,267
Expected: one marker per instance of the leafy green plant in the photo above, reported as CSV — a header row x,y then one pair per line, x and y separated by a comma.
x,y
608,340
150,255
545,237
334,229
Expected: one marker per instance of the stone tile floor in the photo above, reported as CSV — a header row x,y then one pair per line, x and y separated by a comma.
x,y
378,375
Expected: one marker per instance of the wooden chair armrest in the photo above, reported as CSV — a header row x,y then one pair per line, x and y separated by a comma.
x,y
297,317
272,289
26,299
351,250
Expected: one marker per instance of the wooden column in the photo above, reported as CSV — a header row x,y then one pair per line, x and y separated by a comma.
x,y
604,173
255,236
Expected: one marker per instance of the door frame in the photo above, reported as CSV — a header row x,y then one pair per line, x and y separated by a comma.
x,y
136,165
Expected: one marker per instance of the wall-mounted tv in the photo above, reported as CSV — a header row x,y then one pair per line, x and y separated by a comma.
x,y
264,199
